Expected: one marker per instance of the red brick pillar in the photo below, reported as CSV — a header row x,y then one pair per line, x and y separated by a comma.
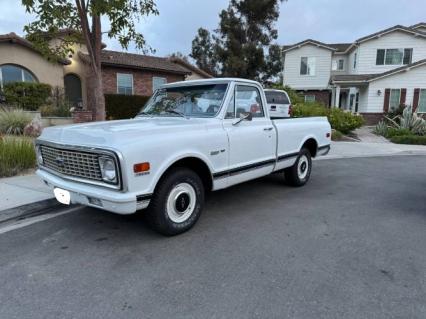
x,y
82,116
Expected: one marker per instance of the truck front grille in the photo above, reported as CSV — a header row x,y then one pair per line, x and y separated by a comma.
x,y
72,163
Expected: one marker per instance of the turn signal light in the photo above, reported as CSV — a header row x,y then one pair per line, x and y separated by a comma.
x,y
328,135
141,167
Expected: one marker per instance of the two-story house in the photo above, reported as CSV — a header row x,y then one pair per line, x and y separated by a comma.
x,y
371,75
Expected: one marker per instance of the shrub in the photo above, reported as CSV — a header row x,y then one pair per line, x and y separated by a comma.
x,y
27,95
394,131
119,106
13,121
344,122
62,110
309,109
16,154
340,120
409,139
410,121
336,135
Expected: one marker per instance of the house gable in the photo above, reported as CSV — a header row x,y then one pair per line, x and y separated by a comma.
x,y
292,63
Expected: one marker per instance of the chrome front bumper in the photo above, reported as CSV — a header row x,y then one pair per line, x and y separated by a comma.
x,y
102,198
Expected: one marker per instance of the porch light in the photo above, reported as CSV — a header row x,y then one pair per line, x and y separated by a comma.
x,y
379,92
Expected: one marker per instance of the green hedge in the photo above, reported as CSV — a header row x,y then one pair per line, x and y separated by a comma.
x,y
409,139
119,106
27,95
340,120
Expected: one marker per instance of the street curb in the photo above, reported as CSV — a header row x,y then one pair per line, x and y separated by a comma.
x,y
30,210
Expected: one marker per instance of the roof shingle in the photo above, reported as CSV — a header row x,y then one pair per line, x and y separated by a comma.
x,y
138,61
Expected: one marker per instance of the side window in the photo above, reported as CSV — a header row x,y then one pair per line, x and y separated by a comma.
x,y
247,99
230,110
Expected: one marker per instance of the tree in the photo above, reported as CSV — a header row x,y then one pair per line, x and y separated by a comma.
x,y
246,31
203,51
83,18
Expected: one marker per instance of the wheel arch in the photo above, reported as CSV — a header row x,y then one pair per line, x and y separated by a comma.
x,y
311,145
196,164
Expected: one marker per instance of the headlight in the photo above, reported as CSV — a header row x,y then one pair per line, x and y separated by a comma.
x,y
109,173
39,156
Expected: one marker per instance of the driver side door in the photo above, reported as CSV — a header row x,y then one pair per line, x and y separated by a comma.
x,y
252,143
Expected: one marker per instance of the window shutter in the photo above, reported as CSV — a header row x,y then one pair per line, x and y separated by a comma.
x,y
416,99
386,101
403,96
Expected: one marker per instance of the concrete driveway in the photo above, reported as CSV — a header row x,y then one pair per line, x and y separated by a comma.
x,y
351,244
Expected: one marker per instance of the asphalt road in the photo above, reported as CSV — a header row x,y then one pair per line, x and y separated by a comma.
x,y
350,244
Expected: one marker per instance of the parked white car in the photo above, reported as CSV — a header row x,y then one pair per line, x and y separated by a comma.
x,y
191,137
279,103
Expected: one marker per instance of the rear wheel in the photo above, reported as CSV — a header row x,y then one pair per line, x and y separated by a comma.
x,y
177,202
299,173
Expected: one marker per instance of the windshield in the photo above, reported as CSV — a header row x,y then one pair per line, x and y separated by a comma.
x,y
188,101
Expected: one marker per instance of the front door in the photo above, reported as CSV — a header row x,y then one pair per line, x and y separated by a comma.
x,y
72,85
252,143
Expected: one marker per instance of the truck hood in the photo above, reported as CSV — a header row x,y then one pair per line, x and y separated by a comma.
x,y
116,133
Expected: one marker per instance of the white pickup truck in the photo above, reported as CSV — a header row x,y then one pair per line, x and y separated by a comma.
x,y
191,137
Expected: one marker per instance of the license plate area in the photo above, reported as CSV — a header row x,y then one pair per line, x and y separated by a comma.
x,y
63,196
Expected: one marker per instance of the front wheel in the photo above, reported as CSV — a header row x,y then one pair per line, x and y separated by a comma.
x,y
298,175
177,202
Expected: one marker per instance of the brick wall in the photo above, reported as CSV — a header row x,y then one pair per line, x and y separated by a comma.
x,y
372,118
320,96
142,80
82,116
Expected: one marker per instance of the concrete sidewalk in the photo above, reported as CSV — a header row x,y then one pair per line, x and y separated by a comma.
x,y
22,190
362,149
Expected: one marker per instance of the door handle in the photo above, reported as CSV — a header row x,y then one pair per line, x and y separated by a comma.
x,y
268,128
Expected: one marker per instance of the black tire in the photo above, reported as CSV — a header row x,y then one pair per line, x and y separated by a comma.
x,y
158,215
292,175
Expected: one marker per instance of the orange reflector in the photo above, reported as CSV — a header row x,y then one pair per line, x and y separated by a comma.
x,y
141,167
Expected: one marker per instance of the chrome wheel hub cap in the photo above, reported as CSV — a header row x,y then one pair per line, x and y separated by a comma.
x,y
181,202
303,167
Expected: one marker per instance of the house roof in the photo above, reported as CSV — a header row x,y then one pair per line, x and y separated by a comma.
x,y
418,25
391,29
13,38
345,47
190,67
340,47
139,61
365,78
308,41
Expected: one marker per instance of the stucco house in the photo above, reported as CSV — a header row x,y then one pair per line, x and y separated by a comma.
x,y
371,75
122,73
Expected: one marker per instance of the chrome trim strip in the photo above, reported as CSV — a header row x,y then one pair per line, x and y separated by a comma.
x,y
118,159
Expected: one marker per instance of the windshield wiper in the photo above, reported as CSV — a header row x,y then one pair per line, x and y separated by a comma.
x,y
176,112
145,113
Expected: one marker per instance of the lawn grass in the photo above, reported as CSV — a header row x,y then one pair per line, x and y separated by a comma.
x,y
17,154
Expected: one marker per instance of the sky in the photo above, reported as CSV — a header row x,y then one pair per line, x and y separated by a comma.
x,y
329,21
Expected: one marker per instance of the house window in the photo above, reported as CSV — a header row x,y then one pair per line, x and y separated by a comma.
x,y
422,101
309,98
394,56
307,66
395,96
338,65
355,58
124,83
14,73
157,82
